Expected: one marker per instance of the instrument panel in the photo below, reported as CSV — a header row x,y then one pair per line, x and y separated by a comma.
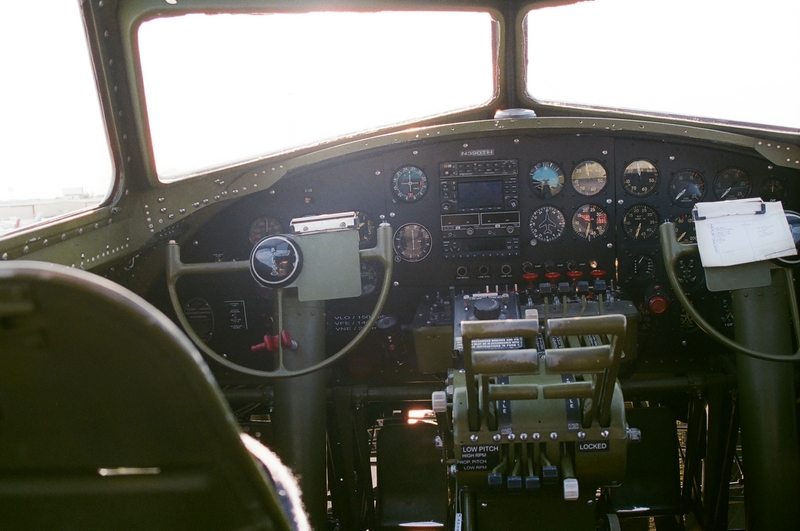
x,y
507,212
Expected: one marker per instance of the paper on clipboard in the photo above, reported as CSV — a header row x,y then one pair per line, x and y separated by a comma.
x,y
741,231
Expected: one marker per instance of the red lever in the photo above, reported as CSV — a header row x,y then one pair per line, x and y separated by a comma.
x,y
574,275
598,273
530,277
271,344
552,276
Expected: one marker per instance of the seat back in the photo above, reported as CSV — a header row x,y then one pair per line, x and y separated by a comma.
x,y
109,417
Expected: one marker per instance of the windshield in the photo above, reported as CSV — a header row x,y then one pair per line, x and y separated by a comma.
x,y
230,87
710,60
53,146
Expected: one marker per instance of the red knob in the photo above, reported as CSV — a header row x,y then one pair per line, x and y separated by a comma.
x,y
657,304
530,277
574,275
598,273
552,276
271,343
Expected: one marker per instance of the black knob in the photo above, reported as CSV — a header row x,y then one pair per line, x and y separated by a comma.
x,y
486,309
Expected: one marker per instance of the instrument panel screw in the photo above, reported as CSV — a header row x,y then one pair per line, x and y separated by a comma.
x,y
554,436
604,434
536,436
473,438
523,437
581,435
496,437
511,436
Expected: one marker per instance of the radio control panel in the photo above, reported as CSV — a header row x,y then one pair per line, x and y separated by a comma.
x,y
480,208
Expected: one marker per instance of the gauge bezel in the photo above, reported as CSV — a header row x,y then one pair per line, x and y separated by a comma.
x,y
630,189
412,196
560,224
253,228
720,194
585,235
580,188
537,187
286,280
680,221
401,253
650,229
680,201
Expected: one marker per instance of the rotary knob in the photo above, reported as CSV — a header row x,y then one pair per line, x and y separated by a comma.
x,y
486,309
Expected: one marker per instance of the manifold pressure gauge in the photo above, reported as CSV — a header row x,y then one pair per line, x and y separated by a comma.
x,y
276,261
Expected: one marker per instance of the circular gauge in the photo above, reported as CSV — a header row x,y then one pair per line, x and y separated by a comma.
x,y
369,278
772,190
731,184
412,242
263,227
640,178
547,224
409,184
684,228
200,316
546,179
689,270
686,188
640,222
276,261
366,230
643,266
590,222
589,178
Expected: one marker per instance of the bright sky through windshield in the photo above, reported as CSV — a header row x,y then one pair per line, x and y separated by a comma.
x,y
226,88
51,131
716,59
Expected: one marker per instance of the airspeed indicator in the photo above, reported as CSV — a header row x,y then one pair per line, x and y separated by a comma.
x,y
590,222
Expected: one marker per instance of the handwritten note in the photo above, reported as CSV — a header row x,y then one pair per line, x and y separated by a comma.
x,y
742,231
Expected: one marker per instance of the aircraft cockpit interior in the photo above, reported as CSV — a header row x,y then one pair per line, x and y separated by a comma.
x,y
388,264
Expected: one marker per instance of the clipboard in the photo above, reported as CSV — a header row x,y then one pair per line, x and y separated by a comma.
x,y
741,231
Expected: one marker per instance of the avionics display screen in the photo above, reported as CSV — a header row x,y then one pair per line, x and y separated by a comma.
x,y
480,194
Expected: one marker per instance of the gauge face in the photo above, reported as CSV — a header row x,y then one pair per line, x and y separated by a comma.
x,y
640,178
731,184
684,228
366,230
369,278
547,224
263,227
686,188
640,222
689,271
589,178
590,222
643,266
409,184
772,190
412,242
546,179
